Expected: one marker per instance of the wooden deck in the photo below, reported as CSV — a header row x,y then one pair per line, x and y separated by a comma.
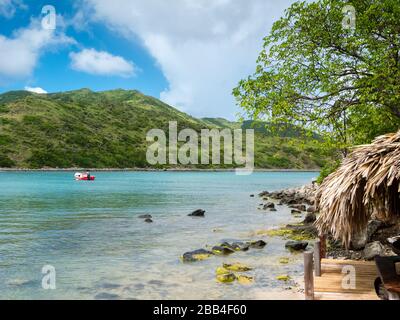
x,y
329,286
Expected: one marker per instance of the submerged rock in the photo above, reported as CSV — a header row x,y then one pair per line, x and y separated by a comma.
x,y
106,296
219,250
300,207
269,205
244,279
283,278
237,267
296,245
226,277
240,246
221,270
311,209
284,260
257,244
196,255
197,213
145,216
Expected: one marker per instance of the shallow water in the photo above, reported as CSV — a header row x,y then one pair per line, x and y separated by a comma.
x,y
90,232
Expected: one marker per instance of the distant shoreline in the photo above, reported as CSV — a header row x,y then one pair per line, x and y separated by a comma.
x,y
147,170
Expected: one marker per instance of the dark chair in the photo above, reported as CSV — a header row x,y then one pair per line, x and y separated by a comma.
x,y
387,286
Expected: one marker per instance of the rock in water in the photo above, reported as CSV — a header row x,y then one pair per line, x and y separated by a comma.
x,y
227,245
106,296
237,267
221,270
283,278
373,249
310,218
296,245
269,205
226,278
257,244
196,255
240,246
244,279
197,213
145,216
294,211
311,209
222,251
300,207
148,220
284,260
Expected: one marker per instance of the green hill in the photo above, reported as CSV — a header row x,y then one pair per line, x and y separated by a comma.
x,y
108,130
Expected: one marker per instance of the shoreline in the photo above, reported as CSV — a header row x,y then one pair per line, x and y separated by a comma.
x,y
147,170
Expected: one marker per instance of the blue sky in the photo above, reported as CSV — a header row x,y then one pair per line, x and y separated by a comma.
x,y
189,54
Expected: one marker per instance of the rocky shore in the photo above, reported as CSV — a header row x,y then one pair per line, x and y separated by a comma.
x,y
379,238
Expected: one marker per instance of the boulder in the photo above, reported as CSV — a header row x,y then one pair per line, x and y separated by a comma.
x,y
236,267
264,194
373,226
269,205
197,213
197,255
359,240
257,244
244,279
311,209
240,246
226,245
221,251
373,249
226,277
148,220
310,218
296,245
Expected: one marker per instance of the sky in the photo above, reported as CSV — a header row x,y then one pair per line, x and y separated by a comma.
x,y
188,53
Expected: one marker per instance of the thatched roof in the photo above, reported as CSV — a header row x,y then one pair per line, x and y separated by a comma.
x,y
366,184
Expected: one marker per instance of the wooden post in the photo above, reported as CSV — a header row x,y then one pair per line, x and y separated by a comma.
x,y
317,258
308,275
322,240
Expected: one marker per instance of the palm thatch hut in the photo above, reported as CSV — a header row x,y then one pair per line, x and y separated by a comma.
x,y
366,184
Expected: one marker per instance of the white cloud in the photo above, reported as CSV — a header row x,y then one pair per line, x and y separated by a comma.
x,y
20,53
203,47
9,7
35,90
101,63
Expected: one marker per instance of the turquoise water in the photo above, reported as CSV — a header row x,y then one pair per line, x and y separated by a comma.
x,y
90,232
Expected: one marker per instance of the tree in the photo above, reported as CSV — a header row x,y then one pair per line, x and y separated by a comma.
x,y
340,80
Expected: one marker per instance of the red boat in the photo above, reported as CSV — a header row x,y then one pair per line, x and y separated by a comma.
x,y
84,177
